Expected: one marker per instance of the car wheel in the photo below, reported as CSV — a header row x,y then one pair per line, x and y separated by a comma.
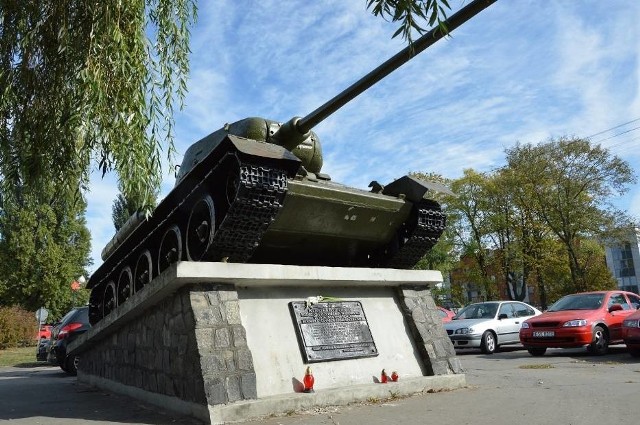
x,y
600,344
71,364
488,343
537,351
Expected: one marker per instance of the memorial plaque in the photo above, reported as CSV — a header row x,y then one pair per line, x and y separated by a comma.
x,y
334,330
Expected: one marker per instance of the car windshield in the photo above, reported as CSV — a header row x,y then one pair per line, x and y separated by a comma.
x,y
478,311
578,302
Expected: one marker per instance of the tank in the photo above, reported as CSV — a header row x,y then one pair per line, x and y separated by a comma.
x,y
254,191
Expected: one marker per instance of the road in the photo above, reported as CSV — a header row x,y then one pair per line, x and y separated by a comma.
x,y
508,387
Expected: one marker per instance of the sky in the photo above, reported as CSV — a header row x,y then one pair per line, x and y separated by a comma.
x,y
519,72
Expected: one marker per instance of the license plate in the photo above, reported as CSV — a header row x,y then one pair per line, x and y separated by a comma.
x,y
543,334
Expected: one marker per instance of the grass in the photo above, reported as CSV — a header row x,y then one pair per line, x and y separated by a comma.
x,y
537,366
19,357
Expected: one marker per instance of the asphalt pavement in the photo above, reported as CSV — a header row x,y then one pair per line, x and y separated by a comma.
x,y
46,395
508,387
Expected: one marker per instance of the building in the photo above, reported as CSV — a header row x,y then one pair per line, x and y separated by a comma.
x,y
623,259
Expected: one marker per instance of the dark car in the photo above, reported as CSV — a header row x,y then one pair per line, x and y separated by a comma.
x,y
74,323
43,349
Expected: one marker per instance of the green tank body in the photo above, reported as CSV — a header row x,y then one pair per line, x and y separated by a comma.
x,y
254,191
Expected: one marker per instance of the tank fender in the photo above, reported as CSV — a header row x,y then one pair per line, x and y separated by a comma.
x,y
412,188
252,128
266,150
129,226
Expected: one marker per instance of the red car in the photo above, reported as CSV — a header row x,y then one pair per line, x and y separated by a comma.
x,y
631,333
591,319
447,315
45,331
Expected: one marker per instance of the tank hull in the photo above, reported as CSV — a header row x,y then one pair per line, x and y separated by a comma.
x,y
248,201
324,223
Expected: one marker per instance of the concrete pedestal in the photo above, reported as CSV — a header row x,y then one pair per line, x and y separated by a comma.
x,y
217,341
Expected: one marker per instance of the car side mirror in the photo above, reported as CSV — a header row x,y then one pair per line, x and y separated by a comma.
x,y
502,316
615,307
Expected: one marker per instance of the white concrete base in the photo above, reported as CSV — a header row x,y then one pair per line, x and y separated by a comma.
x,y
277,360
264,292
280,405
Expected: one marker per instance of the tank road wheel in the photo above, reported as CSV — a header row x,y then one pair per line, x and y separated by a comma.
x,y
125,285
143,273
110,300
200,229
95,306
170,248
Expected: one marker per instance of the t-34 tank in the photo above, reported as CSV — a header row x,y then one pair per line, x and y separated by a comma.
x,y
253,191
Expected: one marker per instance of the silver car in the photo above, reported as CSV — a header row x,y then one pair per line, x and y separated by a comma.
x,y
489,325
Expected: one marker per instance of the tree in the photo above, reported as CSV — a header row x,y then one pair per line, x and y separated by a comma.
x,y
469,208
121,211
44,246
570,182
530,232
123,208
538,220
82,79
411,14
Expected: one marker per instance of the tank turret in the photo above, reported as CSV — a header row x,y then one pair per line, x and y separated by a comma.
x,y
254,191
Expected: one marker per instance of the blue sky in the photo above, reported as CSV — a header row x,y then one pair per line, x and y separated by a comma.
x,y
521,71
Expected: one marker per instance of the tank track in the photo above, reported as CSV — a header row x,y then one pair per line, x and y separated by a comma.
x,y
415,244
259,198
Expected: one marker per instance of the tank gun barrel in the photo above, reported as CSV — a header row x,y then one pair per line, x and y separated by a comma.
x,y
297,128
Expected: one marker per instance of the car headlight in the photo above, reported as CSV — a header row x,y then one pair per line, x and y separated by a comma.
x,y
631,323
463,331
525,325
575,323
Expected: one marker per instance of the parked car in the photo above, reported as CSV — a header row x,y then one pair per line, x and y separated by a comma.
x,y
43,349
588,319
44,332
631,333
74,323
450,305
488,325
446,315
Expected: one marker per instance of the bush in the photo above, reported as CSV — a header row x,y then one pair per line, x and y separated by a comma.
x,y
17,327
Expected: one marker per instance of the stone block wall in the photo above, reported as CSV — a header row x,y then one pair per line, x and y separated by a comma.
x,y
191,345
225,358
434,345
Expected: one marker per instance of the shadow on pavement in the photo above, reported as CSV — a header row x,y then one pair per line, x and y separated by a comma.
x,y
616,354
52,396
